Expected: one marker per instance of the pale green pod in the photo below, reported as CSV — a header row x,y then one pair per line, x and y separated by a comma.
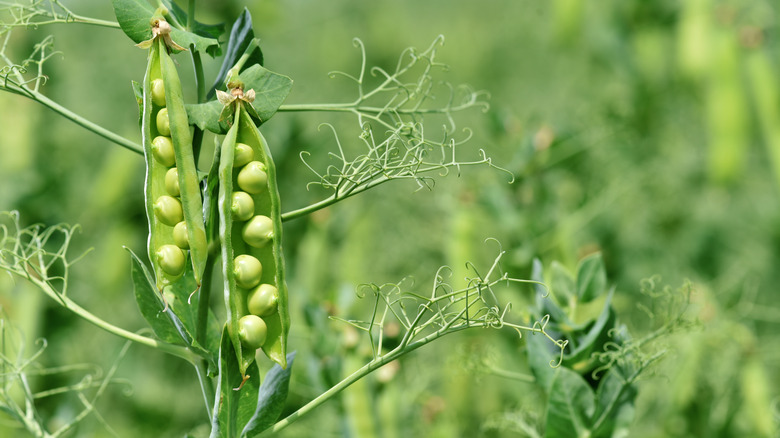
x,y
247,271
168,210
171,259
163,124
172,182
243,154
243,206
258,231
158,92
162,149
263,300
180,235
253,178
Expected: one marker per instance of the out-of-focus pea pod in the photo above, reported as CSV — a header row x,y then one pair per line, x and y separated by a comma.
x,y
185,163
727,110
265,248
694,36
763,78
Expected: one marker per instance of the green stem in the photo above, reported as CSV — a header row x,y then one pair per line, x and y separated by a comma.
x,y
66,302
295,214
190,15
81,121
356,107
360,373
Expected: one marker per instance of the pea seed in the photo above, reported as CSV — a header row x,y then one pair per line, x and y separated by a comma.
x,y
162,150
262,301
171,259
180,235
158,92
163,124
253,177
168,210
252,331
172,182
243,206
242,155
247,271
258,231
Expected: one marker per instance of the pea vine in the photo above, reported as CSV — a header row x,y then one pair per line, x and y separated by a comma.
x,y
393,142
40,255
18,368
424,318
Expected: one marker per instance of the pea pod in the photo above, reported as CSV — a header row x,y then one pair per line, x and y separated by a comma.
x,y
235,247
165,203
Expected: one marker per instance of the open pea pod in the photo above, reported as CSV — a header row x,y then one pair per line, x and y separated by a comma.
x,y
251,237
173,202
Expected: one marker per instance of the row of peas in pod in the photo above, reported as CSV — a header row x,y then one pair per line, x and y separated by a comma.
x,y
250,235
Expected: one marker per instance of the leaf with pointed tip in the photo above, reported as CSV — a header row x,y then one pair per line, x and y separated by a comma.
x,y
570,406
241,35
270,402
591,278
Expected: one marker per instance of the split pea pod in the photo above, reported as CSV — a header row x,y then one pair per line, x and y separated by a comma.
x,y
172,195
251,237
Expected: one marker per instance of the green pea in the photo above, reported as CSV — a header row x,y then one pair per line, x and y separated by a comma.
x,y
242,155
158,92
162,149
253,178
172,182
247,271
163,124
243,206
168,210
252,331
171,259
262,301
180,235
258,231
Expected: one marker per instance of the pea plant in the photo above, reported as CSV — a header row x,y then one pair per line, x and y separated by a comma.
x,y
219,229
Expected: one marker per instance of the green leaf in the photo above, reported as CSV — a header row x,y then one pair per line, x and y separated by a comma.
x,y
584,343
562,283
240,36
211,31
591,278
614,403
164,324
570,406
138,91
545,305
271,89
233,407
542,353
134,17
273,394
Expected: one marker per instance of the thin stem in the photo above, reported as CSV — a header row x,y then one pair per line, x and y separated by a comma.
x,y
359,374
81,121
341,107
295,214
190,15
175,350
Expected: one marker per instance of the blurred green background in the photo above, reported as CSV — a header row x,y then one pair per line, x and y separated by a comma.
x,y
649,131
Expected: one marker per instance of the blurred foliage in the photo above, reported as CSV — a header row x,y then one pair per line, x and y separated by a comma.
x,y
648,131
